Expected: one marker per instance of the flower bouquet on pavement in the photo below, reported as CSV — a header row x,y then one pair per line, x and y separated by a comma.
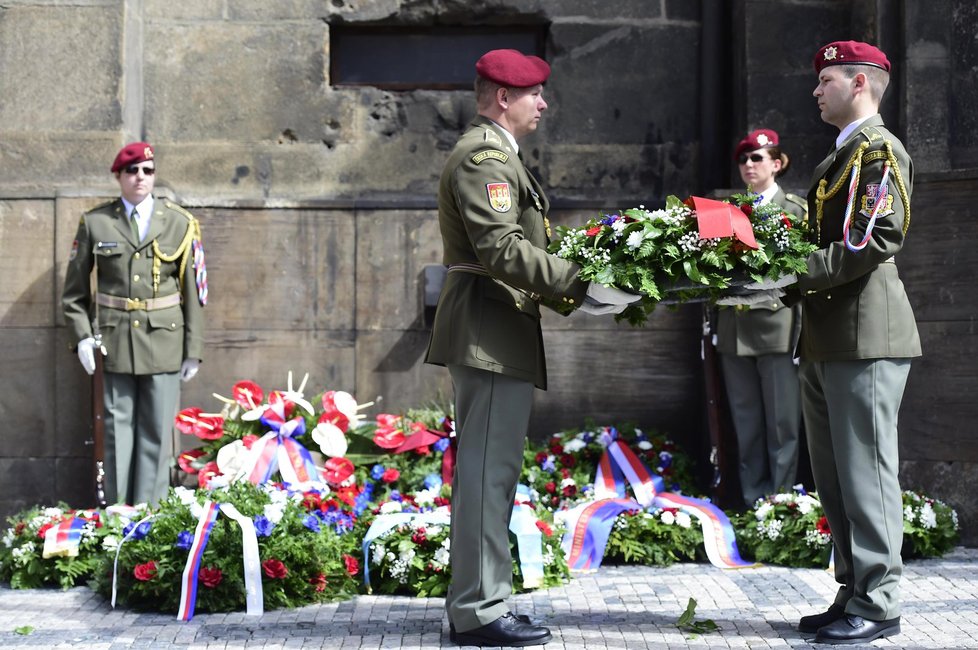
x,y
688,250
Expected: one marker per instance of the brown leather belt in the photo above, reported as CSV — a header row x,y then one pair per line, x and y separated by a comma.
x,y
133,304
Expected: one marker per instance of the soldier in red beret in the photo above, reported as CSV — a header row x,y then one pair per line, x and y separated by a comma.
x,y
493,218
858,337
146,320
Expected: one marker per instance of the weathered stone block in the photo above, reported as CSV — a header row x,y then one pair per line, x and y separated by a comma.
x,y
278,270
233,88
26,482
26,414
185,10
26,238
621,175
72,407
390,366
393,246
61,67
36,163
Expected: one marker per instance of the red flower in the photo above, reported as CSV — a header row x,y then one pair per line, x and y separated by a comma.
x,y
352,566
567,460
747,209
42,531
334,417
569,490
311,500
186,419
210,576
248,394
540,457
274,568
186,460
390,475
192,421
419,537
565,472
556,449
388,435
249,440
319,581
441,501
545,528
591,232
786,221
207,472
423,450
822,526
550,487
337,470
348,494
145,572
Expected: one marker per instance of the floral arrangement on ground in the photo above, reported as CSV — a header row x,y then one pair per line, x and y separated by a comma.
x,y
659,252
791,529
377,506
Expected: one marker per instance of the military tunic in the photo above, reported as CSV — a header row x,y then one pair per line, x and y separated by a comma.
x,y
756,347
492,215
858,336
151,319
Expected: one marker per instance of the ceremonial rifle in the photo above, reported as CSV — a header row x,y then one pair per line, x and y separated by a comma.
x,y
724,485
98,423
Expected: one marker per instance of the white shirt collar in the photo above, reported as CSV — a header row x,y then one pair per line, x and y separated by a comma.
x,y
509,136
768,194
144,209
846,132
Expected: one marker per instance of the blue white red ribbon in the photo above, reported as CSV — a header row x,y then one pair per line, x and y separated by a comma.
x,y
590,524
881,192
188,583
200,270
63,539
278,450
529,540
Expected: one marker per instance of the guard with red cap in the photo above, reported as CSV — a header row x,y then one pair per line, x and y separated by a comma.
x,y
492,212
857,340
145,321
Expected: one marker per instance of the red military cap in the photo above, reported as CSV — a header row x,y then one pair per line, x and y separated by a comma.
x,y
512,68
756,140
132,153
850,53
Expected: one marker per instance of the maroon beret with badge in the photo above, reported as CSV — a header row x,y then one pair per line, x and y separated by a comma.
x,y
512,68
756,140
850,53
132,153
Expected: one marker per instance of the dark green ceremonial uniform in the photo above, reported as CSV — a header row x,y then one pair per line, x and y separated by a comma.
x,y
858,336
492,215
150,319
757,346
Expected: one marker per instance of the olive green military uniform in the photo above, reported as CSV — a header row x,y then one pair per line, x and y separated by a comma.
x,y
757,347
858,336
150,319
492,215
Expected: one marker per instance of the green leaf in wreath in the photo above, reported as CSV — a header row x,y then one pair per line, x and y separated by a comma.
x,y
24,630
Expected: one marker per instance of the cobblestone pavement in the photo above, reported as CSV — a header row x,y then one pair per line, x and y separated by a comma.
x,y
616,607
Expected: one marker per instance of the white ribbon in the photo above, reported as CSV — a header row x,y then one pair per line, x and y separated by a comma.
x,y
252,564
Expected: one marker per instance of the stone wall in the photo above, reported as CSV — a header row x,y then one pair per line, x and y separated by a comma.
x,y
317,202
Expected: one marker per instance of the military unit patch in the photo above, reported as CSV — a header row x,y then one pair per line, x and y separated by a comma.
x,y
74,251
868,201
500,199
494,154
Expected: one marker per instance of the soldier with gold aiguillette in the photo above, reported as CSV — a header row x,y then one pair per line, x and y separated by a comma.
x,y
146,317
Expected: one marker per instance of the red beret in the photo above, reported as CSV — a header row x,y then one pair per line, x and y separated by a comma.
x,y
756,140
512,68
850,53
132,153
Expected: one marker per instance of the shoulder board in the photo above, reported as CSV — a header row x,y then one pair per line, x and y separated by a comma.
x,y
492,137
173,206
102,206
494,154
871,133
797,200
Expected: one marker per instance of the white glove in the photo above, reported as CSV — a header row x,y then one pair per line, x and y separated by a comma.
x,y
189,369
752,298
610,295
590,306
783,281
86,354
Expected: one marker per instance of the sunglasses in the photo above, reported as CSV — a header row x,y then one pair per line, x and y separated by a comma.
x,y
754,158
132,170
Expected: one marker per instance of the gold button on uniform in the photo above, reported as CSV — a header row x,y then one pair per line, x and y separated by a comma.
x,y
135,323
136,255
135,278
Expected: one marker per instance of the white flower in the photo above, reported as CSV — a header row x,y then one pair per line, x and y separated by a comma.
x,y
667,517
774,529
683,519
762,510
635,239
574,445
231,458
567,481
784,497
110,542
330,439
377,554
928,518
186,496
274,511
442,556
390,506
908,514
433,531
426,497
806,504
644,445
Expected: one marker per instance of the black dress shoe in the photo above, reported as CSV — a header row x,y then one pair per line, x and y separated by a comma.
x,y
810,624
520,617
856,629
509,630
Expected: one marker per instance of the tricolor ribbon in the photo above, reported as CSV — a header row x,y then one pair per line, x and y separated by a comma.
x,y
63,539
881,191
278,450
590,523
188,582
200,270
